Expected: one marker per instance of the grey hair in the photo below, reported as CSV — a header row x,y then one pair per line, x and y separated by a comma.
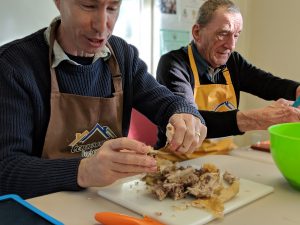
x,y
206,11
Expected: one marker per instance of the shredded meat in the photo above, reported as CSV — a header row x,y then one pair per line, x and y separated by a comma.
x,y
208,184
177,183
229,178
160,191
205,184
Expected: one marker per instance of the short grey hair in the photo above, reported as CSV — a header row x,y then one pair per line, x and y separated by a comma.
x,y
206,11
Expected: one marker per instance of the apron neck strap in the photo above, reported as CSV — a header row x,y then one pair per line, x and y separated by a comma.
x,y
115,70
53,29
193,66
226,74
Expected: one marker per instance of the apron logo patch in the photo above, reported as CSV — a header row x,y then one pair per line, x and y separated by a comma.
x,y
227,105
88,142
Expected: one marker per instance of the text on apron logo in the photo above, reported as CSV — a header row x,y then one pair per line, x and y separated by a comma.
x,y
88,142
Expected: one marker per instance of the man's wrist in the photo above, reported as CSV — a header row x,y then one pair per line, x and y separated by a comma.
x,y
247,120
81,178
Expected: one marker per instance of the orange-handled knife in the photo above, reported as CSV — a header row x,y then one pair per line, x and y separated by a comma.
x,y
110,218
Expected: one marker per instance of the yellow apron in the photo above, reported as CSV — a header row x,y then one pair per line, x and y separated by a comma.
x,y
217,98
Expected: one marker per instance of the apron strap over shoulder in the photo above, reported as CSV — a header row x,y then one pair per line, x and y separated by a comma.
x,y
193,66
227,76
54,83
115,70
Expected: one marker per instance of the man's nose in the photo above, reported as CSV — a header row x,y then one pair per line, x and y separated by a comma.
x,y
99,22
231,42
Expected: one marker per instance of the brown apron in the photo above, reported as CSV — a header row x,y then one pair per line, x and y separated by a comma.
x,y
79,125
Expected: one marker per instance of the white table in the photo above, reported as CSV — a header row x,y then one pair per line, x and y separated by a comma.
x,y
249,153
282,207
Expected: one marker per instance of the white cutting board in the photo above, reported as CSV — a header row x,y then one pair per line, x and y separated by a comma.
x,y
135,195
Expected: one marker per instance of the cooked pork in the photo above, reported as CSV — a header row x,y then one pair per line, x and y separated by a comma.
x,y
178,182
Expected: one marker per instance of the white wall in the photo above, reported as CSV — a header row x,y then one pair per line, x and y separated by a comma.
x,y
135,27
271,41
19,18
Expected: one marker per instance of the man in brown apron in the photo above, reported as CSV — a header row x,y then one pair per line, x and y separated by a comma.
x,y
67,92
210,75
100,119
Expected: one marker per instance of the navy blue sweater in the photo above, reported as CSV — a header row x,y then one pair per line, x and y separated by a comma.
x,y
25,107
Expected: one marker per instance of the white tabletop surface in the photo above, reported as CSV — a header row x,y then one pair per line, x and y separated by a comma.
x,y
249,153
282,207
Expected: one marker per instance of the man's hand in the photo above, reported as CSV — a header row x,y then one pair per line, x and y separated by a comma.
x,y
116,159
280,111
188,135
298,92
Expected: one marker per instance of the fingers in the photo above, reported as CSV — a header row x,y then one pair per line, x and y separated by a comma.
x,y
131,159
284,102
181,131
120,144
188,135
200,135
295,115
116,158
298,92
203,131
182,136
290,113
130,168
280,111
170,132
126,151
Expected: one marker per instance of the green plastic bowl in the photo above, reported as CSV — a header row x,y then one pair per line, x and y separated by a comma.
x,y
285,149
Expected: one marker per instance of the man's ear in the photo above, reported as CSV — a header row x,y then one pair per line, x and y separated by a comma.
x,y
57,3
196,32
